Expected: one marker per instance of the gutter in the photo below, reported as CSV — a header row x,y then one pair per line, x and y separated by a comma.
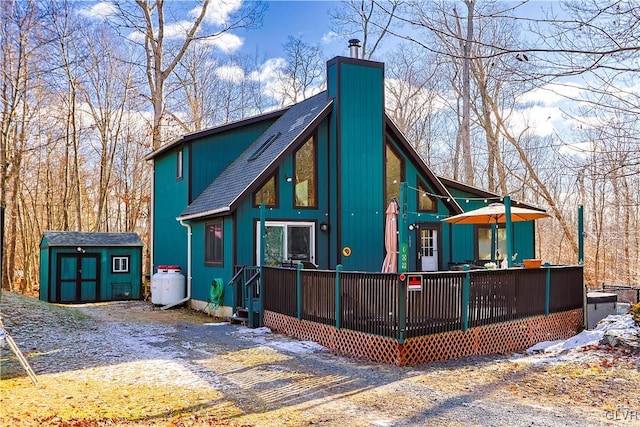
x,y
188,297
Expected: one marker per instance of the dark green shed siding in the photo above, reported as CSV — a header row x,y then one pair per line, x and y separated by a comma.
x,y
83,272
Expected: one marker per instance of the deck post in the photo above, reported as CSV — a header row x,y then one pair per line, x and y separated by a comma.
x,y
547,289
403,248
263,235
402,309
580,234
299,290
338,293
466,290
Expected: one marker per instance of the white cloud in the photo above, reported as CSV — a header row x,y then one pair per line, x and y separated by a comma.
x,y
552,94
269,70
218,11
101,10
231,73
330,37
226,42
177,30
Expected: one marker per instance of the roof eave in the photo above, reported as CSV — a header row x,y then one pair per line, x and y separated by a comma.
x,y
204,214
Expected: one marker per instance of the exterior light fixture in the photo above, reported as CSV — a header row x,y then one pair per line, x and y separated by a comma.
x,y
288,178
324,226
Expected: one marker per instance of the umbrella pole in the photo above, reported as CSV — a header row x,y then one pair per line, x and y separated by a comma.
x,y
494,240
508,222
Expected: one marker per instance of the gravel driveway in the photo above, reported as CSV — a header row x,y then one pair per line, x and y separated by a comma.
x,y
129,363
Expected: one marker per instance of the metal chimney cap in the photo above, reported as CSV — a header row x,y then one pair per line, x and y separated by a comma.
x,y
354,42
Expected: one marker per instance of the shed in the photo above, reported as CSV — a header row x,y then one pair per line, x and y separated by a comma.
x,y
78,267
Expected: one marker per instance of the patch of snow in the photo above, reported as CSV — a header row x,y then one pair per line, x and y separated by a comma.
x,y
254,331
298,347
216,324
610,330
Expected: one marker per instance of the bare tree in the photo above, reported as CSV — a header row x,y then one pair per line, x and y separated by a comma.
x,y
163,52
303,71
370,20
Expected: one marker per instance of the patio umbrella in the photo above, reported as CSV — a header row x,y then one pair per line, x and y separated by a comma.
x,y
390,264
494,214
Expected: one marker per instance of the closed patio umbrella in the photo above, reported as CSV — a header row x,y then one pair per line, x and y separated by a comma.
x,y
390,264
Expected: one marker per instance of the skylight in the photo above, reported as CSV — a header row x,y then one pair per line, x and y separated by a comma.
x,y
264,146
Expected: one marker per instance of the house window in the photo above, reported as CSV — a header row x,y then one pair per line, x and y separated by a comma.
x,y
483,237
287,241
267,194
305,175
120,264
426,202
393,173
179,164
214,243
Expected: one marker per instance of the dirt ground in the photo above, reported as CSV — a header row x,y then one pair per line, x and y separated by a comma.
x,y
131,364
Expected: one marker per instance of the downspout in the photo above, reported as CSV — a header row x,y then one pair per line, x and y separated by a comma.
x,y
188,297
151,218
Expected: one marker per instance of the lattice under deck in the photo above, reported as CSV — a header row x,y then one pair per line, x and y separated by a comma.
x,y
491,339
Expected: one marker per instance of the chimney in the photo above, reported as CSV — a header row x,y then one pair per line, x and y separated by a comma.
x,y
354,44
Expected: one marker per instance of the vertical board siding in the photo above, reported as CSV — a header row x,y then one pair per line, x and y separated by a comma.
x,y
361,153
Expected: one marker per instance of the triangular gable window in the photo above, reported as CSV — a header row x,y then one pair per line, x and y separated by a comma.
x,y
267,194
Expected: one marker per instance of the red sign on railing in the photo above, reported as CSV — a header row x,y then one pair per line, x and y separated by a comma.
x,y
414,283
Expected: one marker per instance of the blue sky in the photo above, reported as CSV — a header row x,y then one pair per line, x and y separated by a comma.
x,y
308,20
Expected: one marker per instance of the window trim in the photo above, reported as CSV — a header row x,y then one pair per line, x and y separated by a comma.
x,y
403,166
275,177
208,262
180,164
284,223
423,188
314,139
115,258
476,231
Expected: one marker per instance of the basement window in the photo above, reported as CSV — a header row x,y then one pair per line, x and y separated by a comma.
x,y
264,146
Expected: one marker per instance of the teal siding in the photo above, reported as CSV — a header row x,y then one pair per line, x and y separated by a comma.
x,y
202,275
44,271
361,168
170,198
212,155
463,236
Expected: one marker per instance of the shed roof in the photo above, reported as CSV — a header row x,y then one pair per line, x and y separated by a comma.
x,y
77,238
261,158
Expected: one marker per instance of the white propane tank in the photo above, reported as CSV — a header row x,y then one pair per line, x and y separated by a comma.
x,y
156,285
173,288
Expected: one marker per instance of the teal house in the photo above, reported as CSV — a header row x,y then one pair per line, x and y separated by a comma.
x,y
325,169
78,267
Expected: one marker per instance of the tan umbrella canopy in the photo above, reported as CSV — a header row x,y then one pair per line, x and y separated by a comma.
x,y
390,264
495,213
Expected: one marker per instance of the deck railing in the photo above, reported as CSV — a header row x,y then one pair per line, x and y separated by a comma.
x,y
383,304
